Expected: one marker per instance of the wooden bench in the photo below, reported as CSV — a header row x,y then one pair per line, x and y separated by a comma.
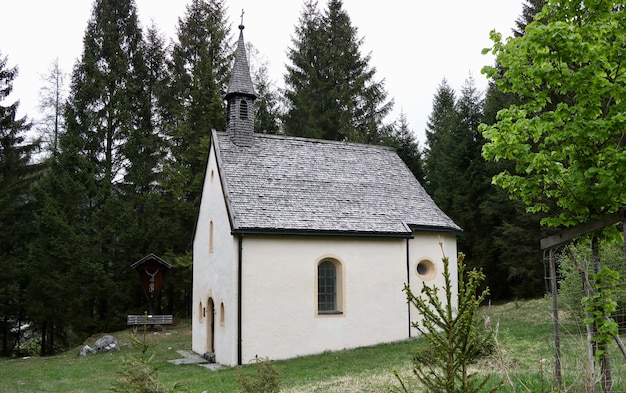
x,y
150,320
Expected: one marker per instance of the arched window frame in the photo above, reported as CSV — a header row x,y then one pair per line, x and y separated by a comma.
x,y
329,287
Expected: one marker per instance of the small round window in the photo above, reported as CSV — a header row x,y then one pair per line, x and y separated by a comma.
x,y
426,269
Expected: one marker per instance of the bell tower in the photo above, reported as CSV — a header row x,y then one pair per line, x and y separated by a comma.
x,y
240,98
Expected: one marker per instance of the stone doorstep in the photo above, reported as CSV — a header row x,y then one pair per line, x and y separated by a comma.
x,y
190,357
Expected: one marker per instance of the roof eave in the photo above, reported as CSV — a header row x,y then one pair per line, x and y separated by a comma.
x,y
320,233
434,228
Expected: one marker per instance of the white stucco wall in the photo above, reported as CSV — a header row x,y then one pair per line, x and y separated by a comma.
x,y
425,246
214,273
279,292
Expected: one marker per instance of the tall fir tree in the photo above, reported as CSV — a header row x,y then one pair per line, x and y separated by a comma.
x,y
301,117
331,90
145,151
453,158
438,163
459,180
107,108
200,69
17,174
266,106
52,96
530,8
407,146
65,276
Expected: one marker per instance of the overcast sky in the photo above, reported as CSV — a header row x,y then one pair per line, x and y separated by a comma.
x,y
413,44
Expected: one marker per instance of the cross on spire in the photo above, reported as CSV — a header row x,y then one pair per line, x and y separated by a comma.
x,y
242,12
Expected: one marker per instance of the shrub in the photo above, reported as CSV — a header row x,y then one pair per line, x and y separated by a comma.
x,y
573,262
266,380
139,375
454,335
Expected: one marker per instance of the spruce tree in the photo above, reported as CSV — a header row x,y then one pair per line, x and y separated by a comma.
x,y
530,8
304,92
331,89
65,275
438,162
405,143
145,150
17,174
266,106
454,161
52,97
199,68
108,110
459,180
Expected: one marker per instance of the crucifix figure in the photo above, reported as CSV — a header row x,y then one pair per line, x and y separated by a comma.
x,y
152,275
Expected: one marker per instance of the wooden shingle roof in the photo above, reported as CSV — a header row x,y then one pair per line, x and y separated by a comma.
x,y
241,81
304,186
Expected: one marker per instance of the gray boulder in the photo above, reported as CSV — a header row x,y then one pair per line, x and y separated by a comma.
x,y
106,344
86,350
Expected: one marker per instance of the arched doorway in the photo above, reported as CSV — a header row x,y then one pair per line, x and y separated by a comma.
x,y
210,339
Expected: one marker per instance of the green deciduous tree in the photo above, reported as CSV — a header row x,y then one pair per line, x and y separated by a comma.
x,y
565,134
331,90
565,138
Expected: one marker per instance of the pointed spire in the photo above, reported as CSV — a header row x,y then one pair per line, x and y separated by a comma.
x,y
240,80
240,98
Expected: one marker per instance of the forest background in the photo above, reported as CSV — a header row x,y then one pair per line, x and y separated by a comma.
x,y
118,169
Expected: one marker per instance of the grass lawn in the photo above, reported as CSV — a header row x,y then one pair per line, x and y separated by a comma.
x,y
525,359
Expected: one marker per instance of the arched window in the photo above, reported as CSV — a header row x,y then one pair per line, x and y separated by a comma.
x,y
243,109
329,289
222,315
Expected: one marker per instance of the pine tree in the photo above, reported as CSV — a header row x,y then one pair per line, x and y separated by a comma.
x,y
108,111
453,158
52,97
459,180
331,89
65,275
200,69
17,174
438,162
304,93
145,150
530,8
405,143
266,106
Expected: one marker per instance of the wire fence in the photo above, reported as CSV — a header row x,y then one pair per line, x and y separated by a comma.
x,y
590,356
